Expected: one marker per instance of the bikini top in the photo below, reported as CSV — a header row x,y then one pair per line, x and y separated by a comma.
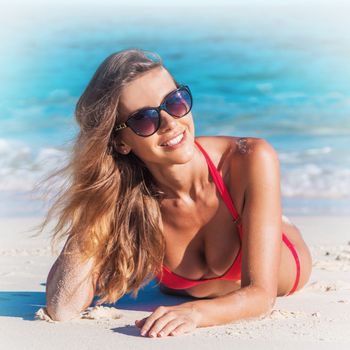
x,y
174,281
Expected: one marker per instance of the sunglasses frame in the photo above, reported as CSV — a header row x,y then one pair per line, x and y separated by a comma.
x,y
161,107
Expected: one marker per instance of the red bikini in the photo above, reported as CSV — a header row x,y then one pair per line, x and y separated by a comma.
x,y
174,281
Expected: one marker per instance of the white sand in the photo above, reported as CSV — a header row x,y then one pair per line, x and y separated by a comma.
x,y
317,317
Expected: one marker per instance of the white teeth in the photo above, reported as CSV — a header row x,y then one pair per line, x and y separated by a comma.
x,y
174,141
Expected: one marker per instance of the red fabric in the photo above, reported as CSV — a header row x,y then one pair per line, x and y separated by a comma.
x,y
174,281
297,262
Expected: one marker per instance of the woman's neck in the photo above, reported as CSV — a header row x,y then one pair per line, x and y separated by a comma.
x,y
183,181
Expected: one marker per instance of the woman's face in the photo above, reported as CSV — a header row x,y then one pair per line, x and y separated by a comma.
x,y
149,90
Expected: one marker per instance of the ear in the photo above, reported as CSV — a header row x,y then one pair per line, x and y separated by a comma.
x,y
122,148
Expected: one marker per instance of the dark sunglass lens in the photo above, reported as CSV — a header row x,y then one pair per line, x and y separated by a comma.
x,y
179,103
145,122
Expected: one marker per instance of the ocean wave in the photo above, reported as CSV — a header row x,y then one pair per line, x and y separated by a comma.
x,y
313,181
301,176
21,167
306,155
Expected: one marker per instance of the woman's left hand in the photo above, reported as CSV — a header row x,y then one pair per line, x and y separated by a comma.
x,y
170,320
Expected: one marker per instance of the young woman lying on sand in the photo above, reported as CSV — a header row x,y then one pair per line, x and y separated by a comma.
x,y
146,198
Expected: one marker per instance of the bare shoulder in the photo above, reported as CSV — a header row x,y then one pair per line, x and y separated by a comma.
x,y
254,150
219,148
237,151
242,162
253,158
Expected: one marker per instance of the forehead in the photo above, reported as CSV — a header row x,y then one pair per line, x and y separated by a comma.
x,y
146,91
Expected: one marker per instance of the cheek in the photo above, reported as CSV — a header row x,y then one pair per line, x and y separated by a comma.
x,y
144,149
131,139
190,124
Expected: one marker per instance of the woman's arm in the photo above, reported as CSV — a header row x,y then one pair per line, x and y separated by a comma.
x,y
246,303
70,287
261,220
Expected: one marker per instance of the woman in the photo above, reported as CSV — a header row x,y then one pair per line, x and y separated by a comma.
x,y
146,198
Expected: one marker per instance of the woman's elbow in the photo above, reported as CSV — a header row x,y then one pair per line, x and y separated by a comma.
x,y
60,314
267,300
65,309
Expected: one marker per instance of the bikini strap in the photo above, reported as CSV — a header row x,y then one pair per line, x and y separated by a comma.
x,y
219,183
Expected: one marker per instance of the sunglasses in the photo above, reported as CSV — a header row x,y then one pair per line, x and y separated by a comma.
x,y
146,121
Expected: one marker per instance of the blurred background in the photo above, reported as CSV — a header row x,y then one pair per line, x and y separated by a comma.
x,y
278,70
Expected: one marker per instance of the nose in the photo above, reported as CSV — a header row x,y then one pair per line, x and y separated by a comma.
x,y
167,122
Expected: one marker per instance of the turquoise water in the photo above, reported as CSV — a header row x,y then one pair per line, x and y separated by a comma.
x,y
280,73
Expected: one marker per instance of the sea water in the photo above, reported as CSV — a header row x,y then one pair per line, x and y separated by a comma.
x,y
273,70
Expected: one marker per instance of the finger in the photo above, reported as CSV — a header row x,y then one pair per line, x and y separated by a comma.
x,y
182,328
152,318
169,327
159,324
140,323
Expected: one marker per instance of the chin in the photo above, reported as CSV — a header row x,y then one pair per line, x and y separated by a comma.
x,y
184,155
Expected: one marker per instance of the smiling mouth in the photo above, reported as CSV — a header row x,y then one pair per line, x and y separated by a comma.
x,y
174,141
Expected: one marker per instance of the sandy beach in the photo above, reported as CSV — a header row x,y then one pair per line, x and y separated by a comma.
x,y
317,317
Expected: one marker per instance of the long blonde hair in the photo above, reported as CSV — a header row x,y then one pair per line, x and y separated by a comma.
x,y
110,209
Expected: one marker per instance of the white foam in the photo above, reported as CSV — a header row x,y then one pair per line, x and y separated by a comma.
x,y
312,181
301,172
21,167
303,156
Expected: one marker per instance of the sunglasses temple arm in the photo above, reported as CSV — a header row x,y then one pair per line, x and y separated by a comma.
x,y
120,127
